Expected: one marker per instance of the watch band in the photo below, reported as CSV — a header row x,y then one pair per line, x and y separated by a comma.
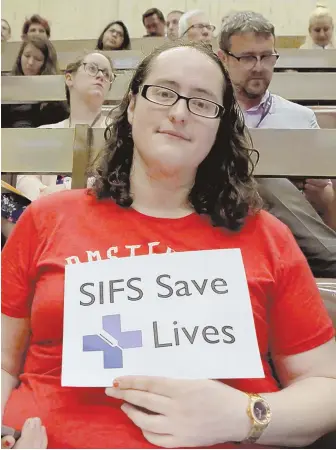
x,y
260,414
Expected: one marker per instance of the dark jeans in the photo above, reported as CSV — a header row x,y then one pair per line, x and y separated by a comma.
x,y
316,240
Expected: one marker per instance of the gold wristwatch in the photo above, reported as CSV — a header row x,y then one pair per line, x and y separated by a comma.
x,y
260,414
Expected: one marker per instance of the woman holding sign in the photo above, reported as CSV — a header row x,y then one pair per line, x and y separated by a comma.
x,y
175,177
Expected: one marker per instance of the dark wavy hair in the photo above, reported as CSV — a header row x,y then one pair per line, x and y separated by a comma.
x,y
126,45
224,187
50,64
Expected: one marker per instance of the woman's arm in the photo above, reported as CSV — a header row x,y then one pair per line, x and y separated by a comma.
x,y
305,409
322,195
35,186
14,341
330,213
30,185
198,413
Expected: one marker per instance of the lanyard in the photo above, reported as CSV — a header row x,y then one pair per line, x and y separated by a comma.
x,y
94,121
266,109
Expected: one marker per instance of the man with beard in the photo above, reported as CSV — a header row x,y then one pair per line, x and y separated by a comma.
x,y
247,49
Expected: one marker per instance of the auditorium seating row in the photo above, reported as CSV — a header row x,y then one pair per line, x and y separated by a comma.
x,y
129,59
315,87
285,153
145,45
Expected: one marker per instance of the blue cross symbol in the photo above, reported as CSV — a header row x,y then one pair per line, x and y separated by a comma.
x,y
112,341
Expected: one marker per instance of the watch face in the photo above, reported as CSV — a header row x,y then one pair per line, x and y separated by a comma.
x,y
260,411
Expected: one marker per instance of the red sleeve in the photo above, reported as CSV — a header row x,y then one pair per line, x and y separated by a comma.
x,y
18,268
299,320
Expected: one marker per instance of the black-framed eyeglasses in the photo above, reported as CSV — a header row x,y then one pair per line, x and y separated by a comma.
x,y
249,61
92,69
168,97
200,26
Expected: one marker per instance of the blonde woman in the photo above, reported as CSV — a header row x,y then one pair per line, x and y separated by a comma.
x,y
321,29
87,83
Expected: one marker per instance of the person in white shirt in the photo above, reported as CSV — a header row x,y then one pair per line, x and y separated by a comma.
x,y
320,30
87,83
247,50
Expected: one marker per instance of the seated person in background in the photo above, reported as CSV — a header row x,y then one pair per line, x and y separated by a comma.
x,y
246,43
115,36
13,203
173,24
154,22
37,56
5,30
321,30
177,172
36,26
196,26
87,83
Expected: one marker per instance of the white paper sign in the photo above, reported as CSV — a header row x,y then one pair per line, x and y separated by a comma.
x,y
181,315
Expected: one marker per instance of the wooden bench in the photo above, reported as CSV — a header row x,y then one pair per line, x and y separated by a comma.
x,y
295,86
326,116
291,58
287,153
129,59
145,45
122,60
50,88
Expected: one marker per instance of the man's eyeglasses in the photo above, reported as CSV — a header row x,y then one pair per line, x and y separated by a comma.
x,y
92,69
249,61
167,97
200,26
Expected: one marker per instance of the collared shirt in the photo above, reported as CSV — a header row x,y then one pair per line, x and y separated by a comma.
x,y
282,114
312,46
254,114
320,47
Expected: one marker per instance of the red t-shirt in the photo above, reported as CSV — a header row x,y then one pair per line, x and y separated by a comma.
x,y
74,227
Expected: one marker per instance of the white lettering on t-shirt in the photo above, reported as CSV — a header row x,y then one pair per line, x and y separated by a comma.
x,y
93,256
72,260
111,252
132,248
151,245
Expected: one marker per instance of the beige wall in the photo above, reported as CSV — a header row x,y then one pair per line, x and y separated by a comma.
x,y
84,19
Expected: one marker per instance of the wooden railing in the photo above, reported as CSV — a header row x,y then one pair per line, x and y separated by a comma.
x,y
297,86
288,153
129,59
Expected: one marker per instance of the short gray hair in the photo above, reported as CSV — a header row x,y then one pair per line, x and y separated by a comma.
x,y
183,22
243,22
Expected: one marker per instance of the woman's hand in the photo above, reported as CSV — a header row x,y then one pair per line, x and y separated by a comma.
x,y
320,193
33,435
183,413
7,442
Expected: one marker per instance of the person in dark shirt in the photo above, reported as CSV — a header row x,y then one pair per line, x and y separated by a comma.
x,y
37,56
